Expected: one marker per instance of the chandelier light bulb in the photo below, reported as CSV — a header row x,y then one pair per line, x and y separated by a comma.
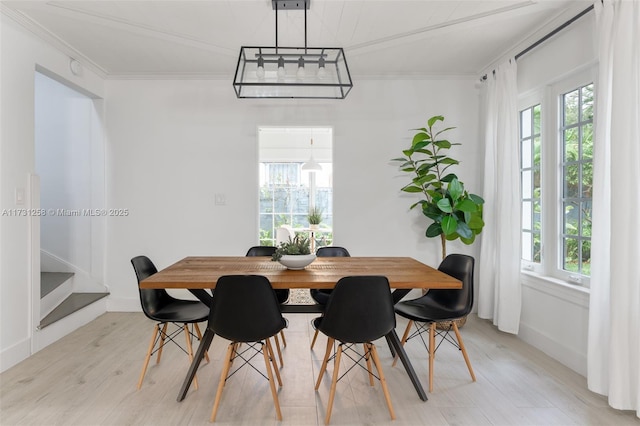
x,y
260,70
300,74
322,72
281,72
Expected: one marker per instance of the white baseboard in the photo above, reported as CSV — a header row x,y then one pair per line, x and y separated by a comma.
x,y
14,354
556,350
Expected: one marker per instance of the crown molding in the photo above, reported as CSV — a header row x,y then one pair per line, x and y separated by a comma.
x,y
53,40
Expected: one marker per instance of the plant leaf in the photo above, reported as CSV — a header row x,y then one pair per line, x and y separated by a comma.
x,y
433,230
466,205
412,188
449,160
476,199
445,205
433,120
449,177
419,137
456,189
444,144
449,224
463,230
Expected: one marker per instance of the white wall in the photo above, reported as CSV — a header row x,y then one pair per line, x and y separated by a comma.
x,y
63,162
173,144
554,314
21,52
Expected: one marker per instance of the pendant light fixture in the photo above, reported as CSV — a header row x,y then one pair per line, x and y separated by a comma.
x,y
312,165
292,72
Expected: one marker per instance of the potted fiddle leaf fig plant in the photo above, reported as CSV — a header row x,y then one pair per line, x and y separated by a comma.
x,y
453,211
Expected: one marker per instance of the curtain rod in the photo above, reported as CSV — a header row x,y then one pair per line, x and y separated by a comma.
x,y
549,35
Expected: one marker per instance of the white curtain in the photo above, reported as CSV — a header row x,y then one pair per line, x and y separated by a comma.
x,y
614,311
499,267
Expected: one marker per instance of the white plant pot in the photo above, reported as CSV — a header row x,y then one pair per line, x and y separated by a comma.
x,y
297,262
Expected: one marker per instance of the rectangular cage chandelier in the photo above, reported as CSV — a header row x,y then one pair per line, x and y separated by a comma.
x,y
292,72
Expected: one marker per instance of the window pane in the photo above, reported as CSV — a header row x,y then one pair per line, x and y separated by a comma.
x,y
571,109
571,144
587,141
537,150
586,218
527,242
526,154
587,180
536,119
537,219
537,251
526,215
586,258
587,103
526,184
571,182
571,255
571,217
525,123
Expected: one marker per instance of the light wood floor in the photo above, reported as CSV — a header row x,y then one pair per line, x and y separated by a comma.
x,y
89,378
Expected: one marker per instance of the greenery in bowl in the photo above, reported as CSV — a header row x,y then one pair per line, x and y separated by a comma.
x,y
299,245
314,216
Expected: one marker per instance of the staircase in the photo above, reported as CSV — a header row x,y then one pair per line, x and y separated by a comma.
x,y
57,299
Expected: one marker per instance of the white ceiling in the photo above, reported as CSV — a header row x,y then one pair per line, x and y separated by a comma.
x,y
202,38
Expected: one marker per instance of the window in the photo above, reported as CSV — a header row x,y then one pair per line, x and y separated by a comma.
x,y
286,190
530,148
556,165
577,177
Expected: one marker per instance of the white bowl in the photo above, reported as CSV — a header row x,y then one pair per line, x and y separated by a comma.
x,y
297,261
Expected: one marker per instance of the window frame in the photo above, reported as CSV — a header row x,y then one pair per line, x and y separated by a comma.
x,y
550,100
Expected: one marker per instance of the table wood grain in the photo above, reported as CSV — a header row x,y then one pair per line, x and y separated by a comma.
x,y
203,272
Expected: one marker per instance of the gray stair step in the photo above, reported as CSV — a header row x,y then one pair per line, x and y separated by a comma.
x,y
49,281
71,304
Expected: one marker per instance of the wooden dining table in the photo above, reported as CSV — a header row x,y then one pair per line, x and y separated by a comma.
x,y
199,273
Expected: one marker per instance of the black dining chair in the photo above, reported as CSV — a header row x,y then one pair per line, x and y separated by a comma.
x,y
321,295
442,305
245,310
281,294
360,310
161,307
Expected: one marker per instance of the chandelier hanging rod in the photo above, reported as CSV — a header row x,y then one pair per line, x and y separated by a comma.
x,y
305,6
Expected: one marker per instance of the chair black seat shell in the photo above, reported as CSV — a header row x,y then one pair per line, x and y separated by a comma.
x,y
440,305
160,306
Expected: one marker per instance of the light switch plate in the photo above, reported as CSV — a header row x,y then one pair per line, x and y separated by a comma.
x,y
19,196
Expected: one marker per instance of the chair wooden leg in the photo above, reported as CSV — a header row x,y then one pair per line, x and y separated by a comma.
x,y
334,382
187,336
325,360
367,357
383,381
284,341
403,340
464,351
148,357
199,334
272,384
163,335
315,336
223,379
278,350
432,352
269,350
